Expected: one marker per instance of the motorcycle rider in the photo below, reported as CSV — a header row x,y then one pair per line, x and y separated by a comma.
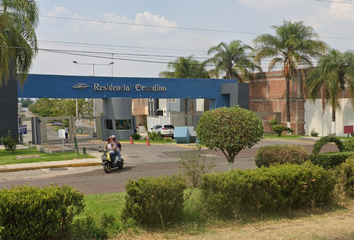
x,y
111,147
118,147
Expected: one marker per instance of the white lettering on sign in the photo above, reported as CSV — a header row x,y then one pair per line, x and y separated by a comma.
x,y
127,88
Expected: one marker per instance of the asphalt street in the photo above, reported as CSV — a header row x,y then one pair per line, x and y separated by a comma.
x,y
140,161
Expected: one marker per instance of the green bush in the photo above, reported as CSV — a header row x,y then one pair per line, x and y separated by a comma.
x,y
324,140
39,213
345,174
279,129
194,166
348,145
281,154
155,136
154,200
313,133
9,142
331,159
87,229
273,122
280,187
136,136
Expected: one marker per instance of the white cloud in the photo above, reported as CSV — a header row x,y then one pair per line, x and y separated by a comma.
x,y
150,19
122,24
58,11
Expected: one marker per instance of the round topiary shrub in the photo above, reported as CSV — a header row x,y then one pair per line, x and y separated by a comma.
x,y
348,145
281,154
324,140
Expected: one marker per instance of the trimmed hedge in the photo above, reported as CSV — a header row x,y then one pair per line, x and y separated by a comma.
x,y
281,154
349,145
345,174
155,200
324,140
331,159
39,213
279,187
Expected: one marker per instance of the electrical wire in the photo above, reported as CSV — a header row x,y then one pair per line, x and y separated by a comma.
x,y
187,28
148,25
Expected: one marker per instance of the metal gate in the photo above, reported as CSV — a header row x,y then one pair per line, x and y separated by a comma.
x,y
41,130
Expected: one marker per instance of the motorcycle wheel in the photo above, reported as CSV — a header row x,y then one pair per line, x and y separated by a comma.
x,y
120,166
107,168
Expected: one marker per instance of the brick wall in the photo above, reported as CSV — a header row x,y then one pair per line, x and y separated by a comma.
x,y
268,94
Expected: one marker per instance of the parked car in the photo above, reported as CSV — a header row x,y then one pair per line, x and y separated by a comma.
x,y
164,130
57,123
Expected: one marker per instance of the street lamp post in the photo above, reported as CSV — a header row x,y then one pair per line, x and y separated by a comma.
x,y
93,74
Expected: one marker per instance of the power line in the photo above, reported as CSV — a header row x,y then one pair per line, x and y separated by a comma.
x,y
186,28
118,46
147,25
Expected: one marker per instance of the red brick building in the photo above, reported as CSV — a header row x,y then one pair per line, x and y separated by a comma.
x,y
268,94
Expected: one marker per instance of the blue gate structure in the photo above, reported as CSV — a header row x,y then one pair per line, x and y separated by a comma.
x,y
117,93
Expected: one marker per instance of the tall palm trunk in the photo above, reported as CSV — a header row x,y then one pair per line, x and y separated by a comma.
x,y
333,130
288,101
206,105
186,111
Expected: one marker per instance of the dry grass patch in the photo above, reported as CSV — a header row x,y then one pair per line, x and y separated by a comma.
x,y
320,225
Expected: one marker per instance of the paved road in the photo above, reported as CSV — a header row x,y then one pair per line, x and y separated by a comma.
x,y
140,161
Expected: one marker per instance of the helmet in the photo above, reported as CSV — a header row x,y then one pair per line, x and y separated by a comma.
x,y
113,136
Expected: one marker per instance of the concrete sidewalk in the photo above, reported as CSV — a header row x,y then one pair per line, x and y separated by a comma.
x,y
96,161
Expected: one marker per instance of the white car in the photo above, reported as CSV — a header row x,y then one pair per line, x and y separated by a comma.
x,y
164,130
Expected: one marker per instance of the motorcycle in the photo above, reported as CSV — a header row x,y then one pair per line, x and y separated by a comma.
x,y
108,165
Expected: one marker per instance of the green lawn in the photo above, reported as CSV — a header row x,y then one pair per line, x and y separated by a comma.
x,y
6,157
290,137
107,203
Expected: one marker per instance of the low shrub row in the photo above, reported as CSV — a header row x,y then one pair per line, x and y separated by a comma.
x,y
331,159
345,175
155,200
349,145
281,154
266,189
39,213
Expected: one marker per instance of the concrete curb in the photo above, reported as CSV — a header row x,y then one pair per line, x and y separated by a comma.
x,y
51,166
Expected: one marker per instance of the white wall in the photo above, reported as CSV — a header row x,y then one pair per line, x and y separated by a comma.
x,y
322,122
200,105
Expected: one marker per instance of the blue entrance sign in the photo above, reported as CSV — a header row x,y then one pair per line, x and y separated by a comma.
x,y
22,129
59,86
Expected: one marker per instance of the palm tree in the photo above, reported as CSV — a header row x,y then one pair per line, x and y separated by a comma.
x,y
232,61
292,46
185,68
18,19
328,80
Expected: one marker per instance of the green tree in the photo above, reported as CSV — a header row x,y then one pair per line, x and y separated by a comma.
x,y
232,60
185,68
292,46
26,102
18,20
229,130
328,80
61,107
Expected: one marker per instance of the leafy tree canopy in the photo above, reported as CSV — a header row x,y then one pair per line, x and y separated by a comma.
x,y
229,130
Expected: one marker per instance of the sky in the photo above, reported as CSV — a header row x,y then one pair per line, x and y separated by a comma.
x,y
93,32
